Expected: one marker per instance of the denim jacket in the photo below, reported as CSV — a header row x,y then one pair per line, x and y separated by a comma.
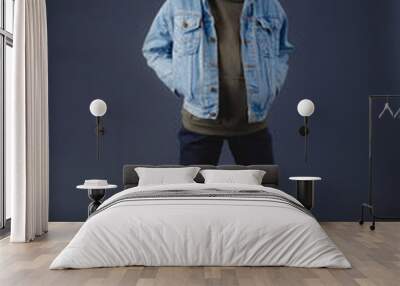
x,y
181,47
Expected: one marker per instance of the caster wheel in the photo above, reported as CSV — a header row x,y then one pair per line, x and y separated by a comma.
x,y
361,222
372,227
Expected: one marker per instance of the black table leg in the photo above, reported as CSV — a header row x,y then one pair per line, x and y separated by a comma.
x,y
305,193
95,196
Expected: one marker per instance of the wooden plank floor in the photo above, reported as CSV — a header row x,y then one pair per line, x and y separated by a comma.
x,y
375,257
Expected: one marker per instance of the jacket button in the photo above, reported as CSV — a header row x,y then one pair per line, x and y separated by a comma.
x,y
213,89
213,40
213,114
185,25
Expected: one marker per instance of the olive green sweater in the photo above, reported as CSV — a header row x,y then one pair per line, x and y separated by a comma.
x,y
232,118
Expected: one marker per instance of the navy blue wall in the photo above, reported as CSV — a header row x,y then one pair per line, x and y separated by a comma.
x,y
95,52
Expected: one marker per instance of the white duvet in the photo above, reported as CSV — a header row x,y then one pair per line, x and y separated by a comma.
x,y
202,232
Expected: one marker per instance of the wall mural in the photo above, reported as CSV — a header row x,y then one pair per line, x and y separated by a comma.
x,y
210,84
228,60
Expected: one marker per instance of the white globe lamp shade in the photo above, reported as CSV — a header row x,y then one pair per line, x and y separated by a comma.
x,y
306,108
98,107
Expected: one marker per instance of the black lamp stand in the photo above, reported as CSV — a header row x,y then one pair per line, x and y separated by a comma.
x,y
99,132
305,131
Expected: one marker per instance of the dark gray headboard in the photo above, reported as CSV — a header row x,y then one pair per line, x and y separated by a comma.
x,y
271,179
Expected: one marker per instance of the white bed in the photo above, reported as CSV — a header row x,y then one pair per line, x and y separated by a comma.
x,y
201,231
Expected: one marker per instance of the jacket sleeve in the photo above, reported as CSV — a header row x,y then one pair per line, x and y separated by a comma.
x,y
157,47
285,49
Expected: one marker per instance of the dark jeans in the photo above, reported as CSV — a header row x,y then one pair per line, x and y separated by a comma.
x,y
251,149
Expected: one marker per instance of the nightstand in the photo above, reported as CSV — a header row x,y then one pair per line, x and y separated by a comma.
x,y
305,190
96,191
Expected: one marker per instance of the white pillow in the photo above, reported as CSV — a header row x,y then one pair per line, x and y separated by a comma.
x,y
165,176
247,177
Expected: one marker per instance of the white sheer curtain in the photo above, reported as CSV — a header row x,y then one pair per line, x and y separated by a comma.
x,y
27,122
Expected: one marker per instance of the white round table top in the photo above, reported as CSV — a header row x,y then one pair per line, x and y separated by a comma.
x,y
305,178
87,187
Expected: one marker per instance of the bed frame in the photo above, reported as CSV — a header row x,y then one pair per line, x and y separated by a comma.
x,y
271,178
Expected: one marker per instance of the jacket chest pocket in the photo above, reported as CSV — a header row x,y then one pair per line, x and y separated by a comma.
x,y
267,34
187,34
